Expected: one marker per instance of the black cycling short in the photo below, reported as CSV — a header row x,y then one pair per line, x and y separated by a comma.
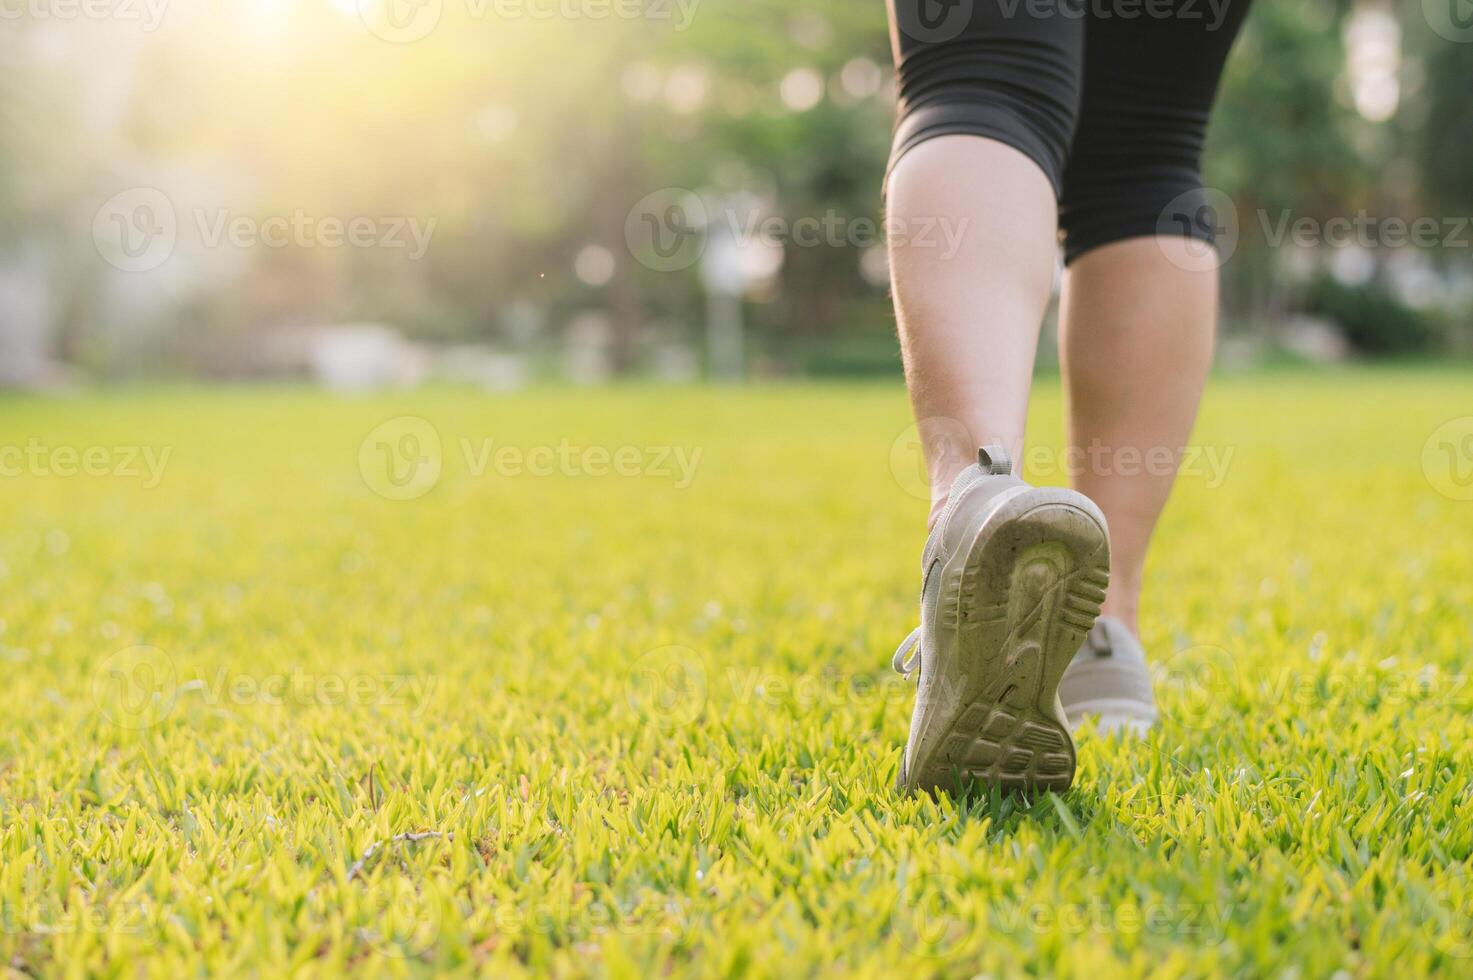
x,y
1109,97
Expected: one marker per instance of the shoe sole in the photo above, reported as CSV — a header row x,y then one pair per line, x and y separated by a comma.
x,y
1029,588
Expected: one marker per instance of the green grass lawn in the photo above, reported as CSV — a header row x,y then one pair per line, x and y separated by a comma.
x,y
630,693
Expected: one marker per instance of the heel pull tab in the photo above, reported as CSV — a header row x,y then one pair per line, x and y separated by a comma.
x,y
995,460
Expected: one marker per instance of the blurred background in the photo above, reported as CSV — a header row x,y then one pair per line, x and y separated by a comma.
x,y
386,192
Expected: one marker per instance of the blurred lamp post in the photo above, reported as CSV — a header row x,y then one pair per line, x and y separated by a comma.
x,y
739,255
724,273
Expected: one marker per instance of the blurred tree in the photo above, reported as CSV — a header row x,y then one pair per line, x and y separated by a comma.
x,y
1282,143
527,142
1446,148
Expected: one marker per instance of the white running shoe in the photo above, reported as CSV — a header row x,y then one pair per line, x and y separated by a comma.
x,y
1108,680
1012,580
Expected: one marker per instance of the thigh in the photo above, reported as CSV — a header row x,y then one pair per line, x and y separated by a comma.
x,y
1149,84
1170,53
1005,69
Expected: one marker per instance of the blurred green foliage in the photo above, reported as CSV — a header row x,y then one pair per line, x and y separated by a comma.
x,y
529,141
1372,319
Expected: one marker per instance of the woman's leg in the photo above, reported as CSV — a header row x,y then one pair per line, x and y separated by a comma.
x,y
1012,575
1136,334
988,100
969,321
1140,295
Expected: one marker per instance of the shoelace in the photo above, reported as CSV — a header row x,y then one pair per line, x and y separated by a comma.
x,y
911,644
